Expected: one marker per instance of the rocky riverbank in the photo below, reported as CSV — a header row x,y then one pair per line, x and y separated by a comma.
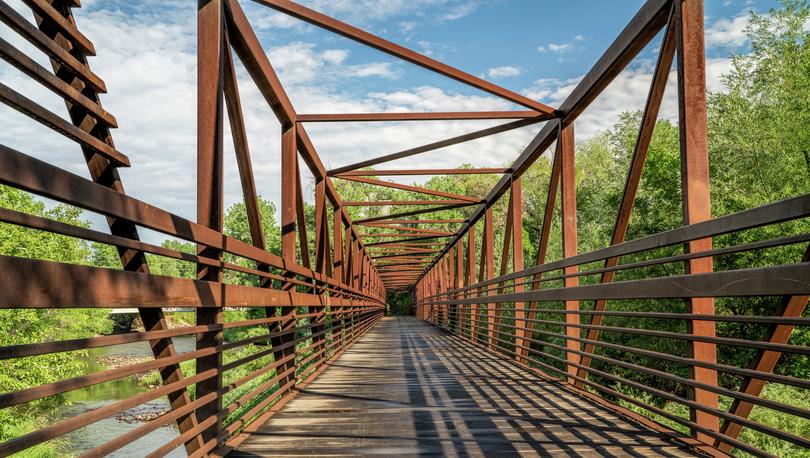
x,y
116,361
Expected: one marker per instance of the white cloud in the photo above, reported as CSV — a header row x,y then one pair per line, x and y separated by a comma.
x,y
302,63
579,38
556,48
459,11
505,71
379,69
335,56
152,92
726,32
263,18
627,92
408,26
367,11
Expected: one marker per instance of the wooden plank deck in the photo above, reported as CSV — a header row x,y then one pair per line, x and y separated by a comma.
x,y
408,388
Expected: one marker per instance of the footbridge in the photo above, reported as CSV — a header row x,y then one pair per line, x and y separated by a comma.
x,y
518,358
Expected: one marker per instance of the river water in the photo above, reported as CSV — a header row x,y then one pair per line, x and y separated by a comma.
x,y
96,396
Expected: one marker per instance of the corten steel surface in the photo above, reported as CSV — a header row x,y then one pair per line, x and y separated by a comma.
x,y
446,394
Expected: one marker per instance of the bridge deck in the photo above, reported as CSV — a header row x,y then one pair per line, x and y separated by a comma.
x,y
407,388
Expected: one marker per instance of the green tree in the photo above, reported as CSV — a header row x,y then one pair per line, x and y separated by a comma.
x,y
25,326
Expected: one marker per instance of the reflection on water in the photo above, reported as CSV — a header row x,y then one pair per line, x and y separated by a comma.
x,y
182,344
103,394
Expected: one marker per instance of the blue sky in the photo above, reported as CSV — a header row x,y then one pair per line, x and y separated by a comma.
x,y
147,56
529,40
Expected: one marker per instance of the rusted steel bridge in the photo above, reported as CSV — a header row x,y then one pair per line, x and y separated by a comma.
x,y
489,363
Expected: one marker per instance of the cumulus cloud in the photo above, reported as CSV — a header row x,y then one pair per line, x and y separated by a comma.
x,y
727,32
627,92
505,71
459,11
152,91
379,69
558,48
368,11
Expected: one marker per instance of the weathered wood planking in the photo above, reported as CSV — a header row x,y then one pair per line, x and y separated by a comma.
x,y
408,388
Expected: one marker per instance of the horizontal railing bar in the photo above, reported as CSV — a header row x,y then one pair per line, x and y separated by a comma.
x,y
228,432
676,316
164,449
777,212
40,74
779,280
96,287
77,39
797,411
50,389
784,241
38,177
66,426
41,41
37,349
51,120
112,445
742,372
57,227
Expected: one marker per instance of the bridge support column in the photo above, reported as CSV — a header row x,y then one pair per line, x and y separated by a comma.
x,y
211,49
458,283
695,193
470,280
516,214
565,148
488,257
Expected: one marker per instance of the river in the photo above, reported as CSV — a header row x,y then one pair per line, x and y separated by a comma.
x,y
96,396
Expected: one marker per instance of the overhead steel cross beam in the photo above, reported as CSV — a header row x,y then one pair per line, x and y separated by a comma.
x,y
405,187
406,229
353,33
389,203
647,22
436,145
462,171
410,116
250,52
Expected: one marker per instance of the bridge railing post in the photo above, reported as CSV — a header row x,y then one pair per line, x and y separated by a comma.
x,y
210,55
488,245
693,129
565,148
516,213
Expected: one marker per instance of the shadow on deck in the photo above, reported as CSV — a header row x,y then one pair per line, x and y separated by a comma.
x,y
408,388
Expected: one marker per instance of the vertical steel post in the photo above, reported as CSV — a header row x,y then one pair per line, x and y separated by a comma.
x,y
471,281
693,128
516,210
289,202
488,244
337,243
210,54
569,216
459,281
